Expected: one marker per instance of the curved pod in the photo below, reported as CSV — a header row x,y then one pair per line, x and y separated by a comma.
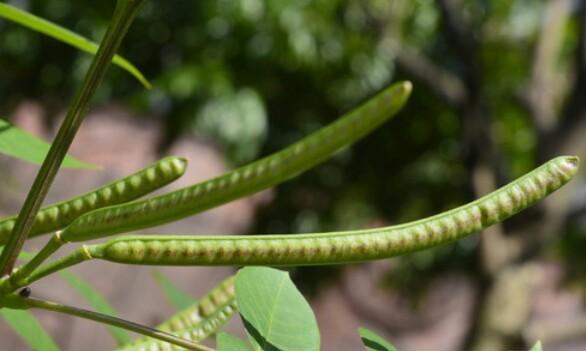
x,y
342,247
246,180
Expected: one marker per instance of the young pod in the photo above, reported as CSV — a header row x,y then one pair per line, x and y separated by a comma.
x,y
249,179
342,247
59,215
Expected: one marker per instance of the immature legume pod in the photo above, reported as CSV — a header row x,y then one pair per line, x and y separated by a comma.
x,y
246,180
59,215
341,247
197,322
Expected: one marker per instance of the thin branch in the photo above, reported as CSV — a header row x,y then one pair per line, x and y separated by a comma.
x,y
570,131
80,255
542,90
114,321
442,82
461,38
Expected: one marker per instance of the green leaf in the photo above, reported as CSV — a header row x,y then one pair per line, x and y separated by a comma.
x,y
274,312
373,342
227,342
17,143
537,347
66,36
29,329
178,298
97,301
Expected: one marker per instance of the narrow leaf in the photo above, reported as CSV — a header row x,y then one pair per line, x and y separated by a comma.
x,y
177,297
274,312
17,143
29,329
66,36
227,342
374,342
97,301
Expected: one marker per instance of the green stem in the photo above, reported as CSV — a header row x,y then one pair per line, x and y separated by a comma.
x,y
80,255
117,322
123,16
12,283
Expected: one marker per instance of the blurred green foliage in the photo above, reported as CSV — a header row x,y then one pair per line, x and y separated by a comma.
x,y
254,75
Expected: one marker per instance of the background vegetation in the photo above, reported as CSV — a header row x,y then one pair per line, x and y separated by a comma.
x,y
499,88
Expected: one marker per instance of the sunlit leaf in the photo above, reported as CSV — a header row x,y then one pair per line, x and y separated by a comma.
x,y
66,36
274,312
29,329
177,297
227,342
537,347
98,302
374,342
17,143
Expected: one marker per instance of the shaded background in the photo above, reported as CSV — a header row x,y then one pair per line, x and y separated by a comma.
x,y
499,88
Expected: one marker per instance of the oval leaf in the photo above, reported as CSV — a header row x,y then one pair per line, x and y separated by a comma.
x,y
29,329
17,143
373,342
66,36
274,312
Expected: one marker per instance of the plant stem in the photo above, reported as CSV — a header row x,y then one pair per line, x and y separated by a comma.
x,y
117,322
15,279
124,14
77,256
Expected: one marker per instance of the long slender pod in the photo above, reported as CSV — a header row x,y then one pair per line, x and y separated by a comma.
x,y
59,215
246,180
329,248
197,322
342,247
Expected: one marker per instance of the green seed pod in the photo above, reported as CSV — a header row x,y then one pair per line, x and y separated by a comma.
x,y
249,179
342,247
197,322
59,215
